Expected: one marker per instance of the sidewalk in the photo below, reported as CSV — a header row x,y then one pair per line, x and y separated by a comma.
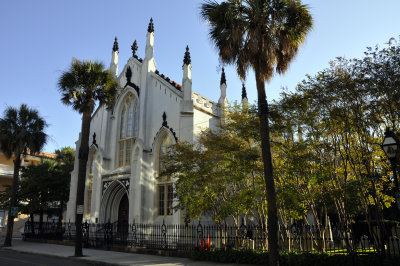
x,y
103,257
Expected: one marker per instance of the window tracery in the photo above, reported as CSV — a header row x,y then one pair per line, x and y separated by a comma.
x,y
127,129
164,186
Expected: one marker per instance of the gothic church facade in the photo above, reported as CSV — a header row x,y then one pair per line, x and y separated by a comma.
x,y
150,113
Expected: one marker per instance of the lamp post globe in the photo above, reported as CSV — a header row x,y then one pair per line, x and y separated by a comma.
x,y
391,147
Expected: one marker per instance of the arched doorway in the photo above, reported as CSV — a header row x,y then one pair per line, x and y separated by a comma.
x,y
114,203
123,216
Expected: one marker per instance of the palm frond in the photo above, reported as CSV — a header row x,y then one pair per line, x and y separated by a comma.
x,y
262,34
86,82
21,129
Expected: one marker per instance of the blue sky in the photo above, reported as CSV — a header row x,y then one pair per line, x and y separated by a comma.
x,y
40,38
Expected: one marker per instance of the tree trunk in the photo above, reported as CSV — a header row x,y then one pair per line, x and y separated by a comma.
x,y
13,201
41,222
272,219
80,193
32,225
61,210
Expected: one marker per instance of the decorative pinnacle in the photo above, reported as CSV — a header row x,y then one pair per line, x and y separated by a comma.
x,y
134,48
223,78
128,74
244,93
115,47
164,118
150,28
94,140
186,58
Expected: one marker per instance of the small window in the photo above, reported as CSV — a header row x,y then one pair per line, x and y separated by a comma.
x,y
165,199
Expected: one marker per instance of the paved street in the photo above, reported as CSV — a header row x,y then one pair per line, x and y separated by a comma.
x,y
14,258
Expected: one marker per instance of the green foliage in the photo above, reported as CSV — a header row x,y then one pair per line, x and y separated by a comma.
x,y
5,196
325,145
263,35
82,86
44,187
86,82
21,130
326,150
221,175
36,186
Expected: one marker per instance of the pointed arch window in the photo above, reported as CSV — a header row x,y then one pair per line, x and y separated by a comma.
x,y
89,183
127,130
165,195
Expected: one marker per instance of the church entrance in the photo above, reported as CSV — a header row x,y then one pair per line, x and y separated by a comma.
x,y
123,216
114,207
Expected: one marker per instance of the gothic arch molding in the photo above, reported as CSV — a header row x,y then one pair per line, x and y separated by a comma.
x,y
111,199
121,97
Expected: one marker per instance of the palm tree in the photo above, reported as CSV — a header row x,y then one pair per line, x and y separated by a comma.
x,y
81,86
263,35
21,130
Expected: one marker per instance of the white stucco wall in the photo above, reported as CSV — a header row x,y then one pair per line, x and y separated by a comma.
x,y
186,116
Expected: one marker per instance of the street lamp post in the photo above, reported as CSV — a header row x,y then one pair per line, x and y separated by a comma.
x,y
391,147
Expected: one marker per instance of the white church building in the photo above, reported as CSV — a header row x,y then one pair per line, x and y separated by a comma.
x,y
151,112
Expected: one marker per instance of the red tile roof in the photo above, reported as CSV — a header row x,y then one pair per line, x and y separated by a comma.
x,y
170,81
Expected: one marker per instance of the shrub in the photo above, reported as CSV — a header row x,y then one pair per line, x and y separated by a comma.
x,y
294,259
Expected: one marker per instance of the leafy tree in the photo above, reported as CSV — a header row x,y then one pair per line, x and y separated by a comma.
x,y
211,173
35,190
220,176
81,86
44,188
380,71
339,116
60,186
20,130
263,35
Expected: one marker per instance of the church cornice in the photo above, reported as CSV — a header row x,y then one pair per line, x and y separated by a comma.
x,y
204,111
118,172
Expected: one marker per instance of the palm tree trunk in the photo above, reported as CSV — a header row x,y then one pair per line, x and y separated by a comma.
x,y
32,225
80,194
13,201
41,222
272,219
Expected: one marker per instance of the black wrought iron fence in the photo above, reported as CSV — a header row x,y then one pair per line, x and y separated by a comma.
x,y
45,230
303,238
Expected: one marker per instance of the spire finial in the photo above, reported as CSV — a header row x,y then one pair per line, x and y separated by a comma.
x,y
244,93
115,47
223,78
150,28
186,58
134,48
